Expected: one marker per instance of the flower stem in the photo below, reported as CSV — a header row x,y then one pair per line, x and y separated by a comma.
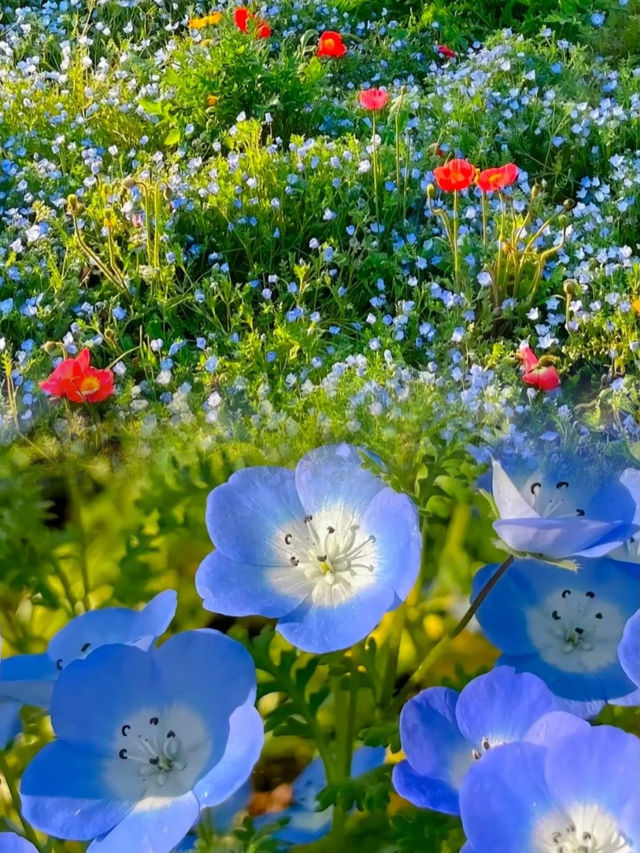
x,y
393,650
5,770
454,239
374,157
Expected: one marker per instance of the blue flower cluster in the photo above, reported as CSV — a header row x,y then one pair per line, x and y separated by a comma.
x,y
145,739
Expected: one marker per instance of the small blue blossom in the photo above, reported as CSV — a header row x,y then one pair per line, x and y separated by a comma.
x,y
326,549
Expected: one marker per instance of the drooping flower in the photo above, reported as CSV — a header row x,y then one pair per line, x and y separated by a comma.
x,y
29,679
373,99
247,22
145,741
446,51
12,843
455,175
326,549
562,626
578,794
76,380
444,732
498,178
537,372
206,21
331,44
562,508
306,824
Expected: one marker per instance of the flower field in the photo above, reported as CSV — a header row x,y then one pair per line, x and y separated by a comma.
x,y
319,426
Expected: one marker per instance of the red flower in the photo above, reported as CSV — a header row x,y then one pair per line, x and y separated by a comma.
x,y
542,376
74,379
373,99
331,44
498,178
242,17
455,175
443,50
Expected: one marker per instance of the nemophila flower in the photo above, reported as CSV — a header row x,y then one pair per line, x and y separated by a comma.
x,y
629,657
564,627
205,21
498,178
579,794
455,175
29,679
330,44
444,732
326,549
538,373
247,22
630,550
562,507
220,818
78,382
145,741
373,99
444,50
12,843
306,824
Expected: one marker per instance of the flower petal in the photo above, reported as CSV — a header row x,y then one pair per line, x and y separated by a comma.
x,y
425,792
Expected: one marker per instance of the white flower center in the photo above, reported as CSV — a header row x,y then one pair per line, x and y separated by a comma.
x,y
330,555
576,630
560,499
588,830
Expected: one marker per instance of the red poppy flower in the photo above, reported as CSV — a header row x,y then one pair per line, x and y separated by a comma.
x,y
373,99
76,380
542,376
496,179
443,50
242,17
331,44
455,175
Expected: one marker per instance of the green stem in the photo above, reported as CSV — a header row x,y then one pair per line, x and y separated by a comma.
x,y
374,158
454,240
393,650
484,221
345,717
83,562
15,799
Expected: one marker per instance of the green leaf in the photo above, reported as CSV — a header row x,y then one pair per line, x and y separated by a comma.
x,y
173,137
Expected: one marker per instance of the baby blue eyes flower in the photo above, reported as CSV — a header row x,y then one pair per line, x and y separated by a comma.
x,y
12,843
29,679
444,732
145,741
629,657
326,549
561,511
577,794
306,824
563,626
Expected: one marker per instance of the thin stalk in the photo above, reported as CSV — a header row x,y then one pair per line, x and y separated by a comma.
x,y
83,563
374,157
500,239
15,800
484,221
456,259
393,650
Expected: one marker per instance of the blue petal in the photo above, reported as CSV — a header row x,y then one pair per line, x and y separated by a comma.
x,y
585,710
429,731
598,766
240,589
332,478
12,843
553,726
425,792
366,758
308,784
330,619
304,825
246,737
85,633
248,516
28,679
223,815
502,705
497,814
155,825
502,614
629,648
65,793
631,700
393,520
10,723
558,538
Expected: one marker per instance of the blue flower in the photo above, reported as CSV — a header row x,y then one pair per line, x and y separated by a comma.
x,y
629,657
12,843
145,741
326,549
30,679
444,732
561,509
563,626
579,793
220,818
305,823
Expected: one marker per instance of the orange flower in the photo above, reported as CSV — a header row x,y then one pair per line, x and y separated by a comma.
x,y
373,99
455,175
76,380
331,44
498,178
242,17
206,21
212,100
